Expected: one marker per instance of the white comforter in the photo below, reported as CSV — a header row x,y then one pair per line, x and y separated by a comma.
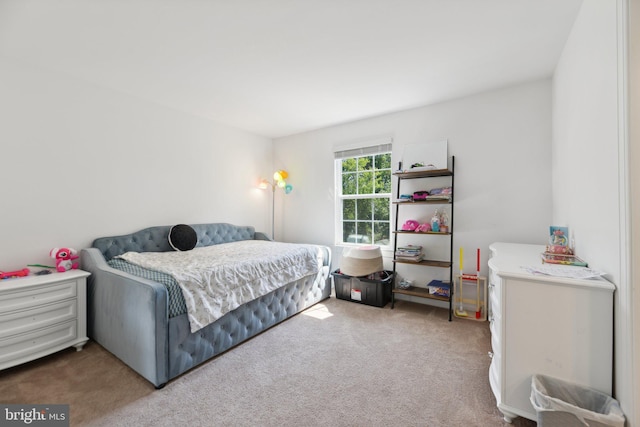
x,y
217,279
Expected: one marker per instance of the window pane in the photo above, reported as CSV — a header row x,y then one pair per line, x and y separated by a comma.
x,y
383,161
381,233
349,165
349,185
349,210
383,181
364,211
365,231
365,182
365,163
348,229
381,209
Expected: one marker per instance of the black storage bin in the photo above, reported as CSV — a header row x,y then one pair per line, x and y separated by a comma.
x,y
374,289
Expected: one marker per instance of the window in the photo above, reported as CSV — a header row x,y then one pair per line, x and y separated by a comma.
x,y
363,205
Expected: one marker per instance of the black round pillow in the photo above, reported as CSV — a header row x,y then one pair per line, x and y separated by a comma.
x,y
182,237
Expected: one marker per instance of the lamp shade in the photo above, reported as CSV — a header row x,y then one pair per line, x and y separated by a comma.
x,y
263,184
361,261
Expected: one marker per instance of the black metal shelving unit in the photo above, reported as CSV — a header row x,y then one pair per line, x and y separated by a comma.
x,y
417,291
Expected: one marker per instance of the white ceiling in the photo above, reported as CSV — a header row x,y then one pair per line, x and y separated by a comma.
x,y
279,67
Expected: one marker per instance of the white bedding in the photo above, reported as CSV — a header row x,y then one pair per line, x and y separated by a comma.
x,y
217,279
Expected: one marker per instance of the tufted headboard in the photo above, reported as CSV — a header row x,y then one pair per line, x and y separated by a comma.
x,y
156,239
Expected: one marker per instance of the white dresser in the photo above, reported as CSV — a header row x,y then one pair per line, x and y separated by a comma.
x,y
40,315
545,325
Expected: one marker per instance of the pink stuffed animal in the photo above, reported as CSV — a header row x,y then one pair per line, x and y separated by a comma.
x,y
410,225
423,228
64,258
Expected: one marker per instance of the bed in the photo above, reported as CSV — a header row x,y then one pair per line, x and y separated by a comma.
x,y
141,315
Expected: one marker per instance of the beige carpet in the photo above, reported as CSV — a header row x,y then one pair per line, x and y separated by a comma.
x,y
337,364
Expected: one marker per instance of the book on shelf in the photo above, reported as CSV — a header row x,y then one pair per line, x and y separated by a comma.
x,y
409,249
409,253
444,197
409,258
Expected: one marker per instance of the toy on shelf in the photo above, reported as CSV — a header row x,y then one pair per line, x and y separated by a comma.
x,y
480,301
47,269
10,274
40,265
420,195
423,228
410,225
64,259
435,222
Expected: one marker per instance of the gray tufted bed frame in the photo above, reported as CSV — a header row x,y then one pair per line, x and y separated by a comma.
x,y
128,315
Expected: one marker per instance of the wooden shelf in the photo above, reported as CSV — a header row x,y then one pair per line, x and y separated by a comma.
x,y
423,174
419,292
420,232
424,202
425,262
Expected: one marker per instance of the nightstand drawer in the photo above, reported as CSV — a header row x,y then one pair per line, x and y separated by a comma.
x,y
18,299
22,321
35,342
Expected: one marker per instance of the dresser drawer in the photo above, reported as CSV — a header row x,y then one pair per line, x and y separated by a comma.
x,y
17,299
37,341
21,321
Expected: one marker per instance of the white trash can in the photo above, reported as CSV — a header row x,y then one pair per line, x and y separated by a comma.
x,y
559,403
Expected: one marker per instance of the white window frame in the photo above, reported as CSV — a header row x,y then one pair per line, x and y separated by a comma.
x,y
372,148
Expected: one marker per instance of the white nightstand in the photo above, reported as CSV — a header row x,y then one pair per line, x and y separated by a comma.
x,y
40,315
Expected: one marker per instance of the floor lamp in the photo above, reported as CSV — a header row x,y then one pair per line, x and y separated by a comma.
x,y
279,178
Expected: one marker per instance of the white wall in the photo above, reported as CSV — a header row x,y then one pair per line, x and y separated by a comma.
x,y
589,167
501,140
80,162
585,137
